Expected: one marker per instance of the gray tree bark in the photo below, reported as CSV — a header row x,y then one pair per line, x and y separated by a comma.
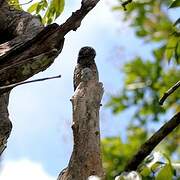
x,y
86,156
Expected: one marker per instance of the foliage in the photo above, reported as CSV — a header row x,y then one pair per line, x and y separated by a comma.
x,y
155,166
145,82
15,3
116,153
158,166
151,22
175,4
47,11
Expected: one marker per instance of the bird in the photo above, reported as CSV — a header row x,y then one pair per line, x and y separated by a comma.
x,y
86,59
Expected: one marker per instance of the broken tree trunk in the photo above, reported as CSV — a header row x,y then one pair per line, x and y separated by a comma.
x,y
86,156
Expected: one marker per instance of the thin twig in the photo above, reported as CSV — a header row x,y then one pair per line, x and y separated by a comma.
x,y
15,4
26,3
152,142
8,87
169,92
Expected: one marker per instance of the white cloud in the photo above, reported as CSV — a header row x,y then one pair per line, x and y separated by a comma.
x,y
23,170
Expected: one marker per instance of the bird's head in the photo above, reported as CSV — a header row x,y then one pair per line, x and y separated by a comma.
x,y
86,55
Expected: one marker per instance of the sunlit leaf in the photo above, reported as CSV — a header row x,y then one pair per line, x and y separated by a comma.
x,y
145,171
170,47
177,52
47,11
15,3
32,8
165,173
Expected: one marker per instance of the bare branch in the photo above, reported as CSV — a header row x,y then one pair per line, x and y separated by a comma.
x,y
169,92
151,143
9,87
74,21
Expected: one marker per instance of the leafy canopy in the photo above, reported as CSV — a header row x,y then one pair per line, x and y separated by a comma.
x,y
145,82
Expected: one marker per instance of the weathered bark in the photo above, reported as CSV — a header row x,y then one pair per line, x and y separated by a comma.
x,y
15,23
33,48
27,47
86,156
5,123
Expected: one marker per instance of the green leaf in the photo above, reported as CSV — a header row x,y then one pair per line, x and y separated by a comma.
x,y
170,47
52,10
177,53
168,160
158,53
33,7
15,3
165,173
59,6
175,4
39,8
169,54
145,171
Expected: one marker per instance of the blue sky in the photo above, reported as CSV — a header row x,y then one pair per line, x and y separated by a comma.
x,y
41,140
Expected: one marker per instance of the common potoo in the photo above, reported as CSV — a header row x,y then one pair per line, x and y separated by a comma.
x,y
86,59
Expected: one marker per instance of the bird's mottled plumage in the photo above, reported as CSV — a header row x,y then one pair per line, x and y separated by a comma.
x,y
85,60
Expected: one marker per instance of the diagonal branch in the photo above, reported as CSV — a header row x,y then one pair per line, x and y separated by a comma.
x,y
11,86
169,92
151,143
74,21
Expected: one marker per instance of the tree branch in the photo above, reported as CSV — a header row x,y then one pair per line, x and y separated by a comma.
x,y
151,143
169,92
11,86
74,21
35,53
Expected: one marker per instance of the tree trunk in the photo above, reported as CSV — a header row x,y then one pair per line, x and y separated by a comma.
x,y
86,156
